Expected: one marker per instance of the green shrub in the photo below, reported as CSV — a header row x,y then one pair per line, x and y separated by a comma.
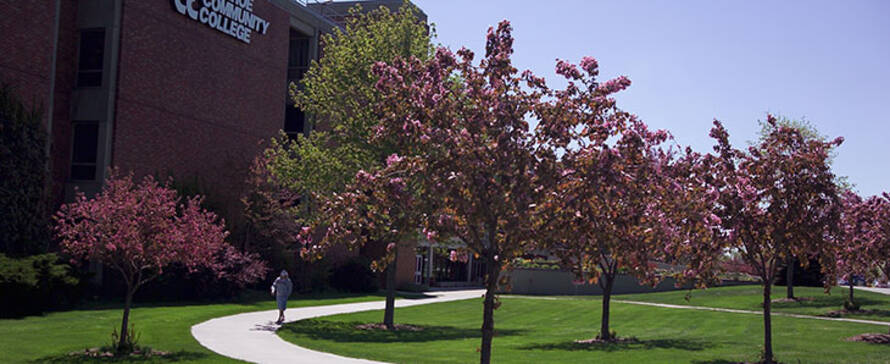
x,y
524,263
131,342
35,284
24,227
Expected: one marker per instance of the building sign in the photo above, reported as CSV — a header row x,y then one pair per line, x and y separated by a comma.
x,y
232,17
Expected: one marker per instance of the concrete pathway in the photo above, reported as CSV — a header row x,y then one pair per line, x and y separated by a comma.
x,y
251,336
873,289
702,308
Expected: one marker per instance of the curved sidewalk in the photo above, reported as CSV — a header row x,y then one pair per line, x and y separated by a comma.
x,y
874,289
251,336
774,314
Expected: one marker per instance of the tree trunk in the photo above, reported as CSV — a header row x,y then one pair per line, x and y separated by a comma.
x,y
851,290
126,319
390,309
605,334
491,285
789,276
767,324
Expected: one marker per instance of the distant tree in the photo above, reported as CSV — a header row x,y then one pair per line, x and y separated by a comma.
x,y
139,230
778,198
618,201
808,131
24,220
863,240
882,242
338,93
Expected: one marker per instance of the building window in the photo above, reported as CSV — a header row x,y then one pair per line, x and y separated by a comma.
x,y
91,59
84,151
298,56
294,121
297,65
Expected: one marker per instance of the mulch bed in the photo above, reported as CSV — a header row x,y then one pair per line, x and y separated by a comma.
x,y
617,340
99,353
398,327
872,338
842,313
795,299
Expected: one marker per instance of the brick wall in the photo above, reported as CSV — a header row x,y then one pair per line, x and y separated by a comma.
x,y
194,102
26,48
66,63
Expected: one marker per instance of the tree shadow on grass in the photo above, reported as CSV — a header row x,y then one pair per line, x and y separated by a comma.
x,y
174,357
681,344
348,332
715,361
248,298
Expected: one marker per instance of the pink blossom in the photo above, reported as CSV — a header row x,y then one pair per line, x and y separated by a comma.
x,y
615,85
393,159
590,65
567,70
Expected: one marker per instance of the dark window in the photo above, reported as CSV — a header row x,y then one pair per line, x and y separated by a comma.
x,y
298,56
294,121
297,65
84,151
92,58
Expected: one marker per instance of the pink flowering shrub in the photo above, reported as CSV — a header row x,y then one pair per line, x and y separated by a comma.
x,y
140,229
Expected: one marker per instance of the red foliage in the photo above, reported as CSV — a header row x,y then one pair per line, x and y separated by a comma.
x,y
863,242
777,200
139,230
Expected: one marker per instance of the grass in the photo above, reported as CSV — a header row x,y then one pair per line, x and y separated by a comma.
x,y
531,330
165,327
751,297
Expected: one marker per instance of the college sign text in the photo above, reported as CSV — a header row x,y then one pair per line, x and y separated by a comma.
x,y
232,17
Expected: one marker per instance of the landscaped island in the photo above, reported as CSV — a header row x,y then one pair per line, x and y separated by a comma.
x,y
544,330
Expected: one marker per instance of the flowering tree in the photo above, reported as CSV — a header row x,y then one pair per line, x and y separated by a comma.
x,y
467,125
140,229
808,131
381,205
339,94
777,198
882,242
617,200
863,239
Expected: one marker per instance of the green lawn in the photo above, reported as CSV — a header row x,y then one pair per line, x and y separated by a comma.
x,y
750,298
543,330
163,327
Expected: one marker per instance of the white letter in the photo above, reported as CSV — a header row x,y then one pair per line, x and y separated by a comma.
x,y
180,6
204,14
190,6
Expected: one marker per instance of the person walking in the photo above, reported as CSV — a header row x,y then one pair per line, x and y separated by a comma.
x,y
281,289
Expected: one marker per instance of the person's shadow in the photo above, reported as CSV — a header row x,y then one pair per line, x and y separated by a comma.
x,y
271,326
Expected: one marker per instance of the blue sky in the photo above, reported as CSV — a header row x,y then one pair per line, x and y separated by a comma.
x,y
693,61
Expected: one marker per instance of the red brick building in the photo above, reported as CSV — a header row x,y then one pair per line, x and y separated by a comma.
x,y
182,88
188,88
